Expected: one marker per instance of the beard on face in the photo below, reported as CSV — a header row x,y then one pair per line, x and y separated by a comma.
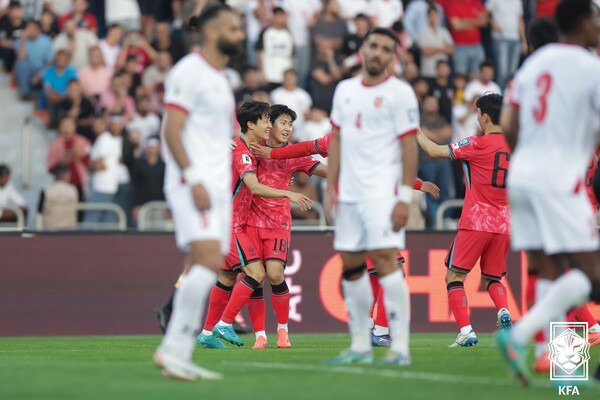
x,y
230,49
375,70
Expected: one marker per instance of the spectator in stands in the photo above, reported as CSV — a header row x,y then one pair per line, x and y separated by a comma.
x,y
58,202
164,42
148,9
136,46
250,84
438,171
421,88
467,17
416,19
435,43
95,77
58,7
49,23
147,176
330,26
443,89
33,55
9,197
78,107
483,84
349,9
294,97
385,12
326,72
257,14
543,8
301,184
111,45
132,78
55,80
117,100
275,49
145,123
460,83
77,41
157,72
411,72
11,27
317,126
80,15
123,12
508,36
353,41
158,99
72,150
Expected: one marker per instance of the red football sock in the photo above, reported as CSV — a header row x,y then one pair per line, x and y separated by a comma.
x,y
457,299
582,314
219,296
239,297
280,299
540,337
381,319
374,279
497,292
257,310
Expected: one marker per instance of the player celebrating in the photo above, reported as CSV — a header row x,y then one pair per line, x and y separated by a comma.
x,y
245,252
484,227
552,219
270,221
370,113
198,128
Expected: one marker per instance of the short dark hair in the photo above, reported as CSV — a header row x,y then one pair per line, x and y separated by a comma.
x,y
278,10
4,170
59,170
14,4
486,64
541,32
197,22
570,13
251,111
34,22
277,110
290,71
432,9
248,68
490,104
382,31
440,62
398,26
361,16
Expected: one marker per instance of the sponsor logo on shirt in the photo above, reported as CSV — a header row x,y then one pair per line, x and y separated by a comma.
x,y
462,143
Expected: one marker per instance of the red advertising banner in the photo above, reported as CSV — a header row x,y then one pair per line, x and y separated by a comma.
x,y
82,284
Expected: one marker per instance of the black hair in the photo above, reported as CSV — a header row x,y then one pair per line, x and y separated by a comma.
x,y
490,104
251,111
440,62
398,26
35,22
382,31
113,26
14,4
432,9
278,10
197,22
570,13
277,110
361,16
290,71
541,32
486,64
4,170
249,68
58,170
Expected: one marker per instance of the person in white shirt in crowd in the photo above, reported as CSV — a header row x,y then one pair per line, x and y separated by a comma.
x,y
123,12
317,126
435,43
385,12
111,45
77,41
508,36
258,13
275,48
483,84
415,18
349,9
145,123
157,72
9,196
302,16
294,97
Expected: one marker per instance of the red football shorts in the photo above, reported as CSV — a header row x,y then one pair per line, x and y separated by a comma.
x,y
371,267
274,244
470,246
244,249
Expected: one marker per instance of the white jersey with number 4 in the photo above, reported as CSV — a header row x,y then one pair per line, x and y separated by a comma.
x,y
557,92
371,120
202,91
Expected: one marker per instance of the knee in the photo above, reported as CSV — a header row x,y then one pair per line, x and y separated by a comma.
x,y
227,279
354,273
255,271
452,276
275,277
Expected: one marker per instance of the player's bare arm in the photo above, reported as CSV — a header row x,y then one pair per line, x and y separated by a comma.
x,y
258,189
333,173
509,120
432,149
320,171
175,119
409,168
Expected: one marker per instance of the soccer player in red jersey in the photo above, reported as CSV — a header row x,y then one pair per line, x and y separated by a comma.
x,y
484,227
270,221
244,254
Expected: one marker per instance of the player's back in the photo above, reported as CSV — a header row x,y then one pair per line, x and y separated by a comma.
x,y
557,92
243,163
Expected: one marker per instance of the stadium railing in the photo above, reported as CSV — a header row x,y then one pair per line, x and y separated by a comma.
x,y
152,216
445,206
29,124
19,224
120,224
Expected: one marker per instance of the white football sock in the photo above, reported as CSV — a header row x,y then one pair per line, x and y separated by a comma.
x,y
260,333
595,328
381,330
282,326
465,330
221,323
397,304
570,290
206,333
188,306
358,296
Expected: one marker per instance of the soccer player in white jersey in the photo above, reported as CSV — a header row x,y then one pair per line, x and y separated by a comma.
x,y
554,119
373,159
198,129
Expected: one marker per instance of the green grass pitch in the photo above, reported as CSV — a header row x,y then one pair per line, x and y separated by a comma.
x,y
120,367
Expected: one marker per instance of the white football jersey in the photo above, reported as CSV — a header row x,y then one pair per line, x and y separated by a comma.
x,y
201,90
557,92
371,120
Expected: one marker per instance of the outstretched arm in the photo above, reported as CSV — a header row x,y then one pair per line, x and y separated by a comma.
x,y
431,148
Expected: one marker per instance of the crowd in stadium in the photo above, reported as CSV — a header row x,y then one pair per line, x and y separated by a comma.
x,y
96,72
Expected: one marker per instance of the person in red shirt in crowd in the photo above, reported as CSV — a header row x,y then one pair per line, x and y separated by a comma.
x,y
81,16
137,45
545,8
466,18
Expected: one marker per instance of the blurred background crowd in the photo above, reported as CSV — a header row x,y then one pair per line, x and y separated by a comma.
x,y
95,69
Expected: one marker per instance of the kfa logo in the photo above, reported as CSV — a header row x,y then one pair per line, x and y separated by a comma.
x,y
569,354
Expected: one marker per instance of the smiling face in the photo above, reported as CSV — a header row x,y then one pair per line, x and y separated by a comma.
x,y
263,128
282,129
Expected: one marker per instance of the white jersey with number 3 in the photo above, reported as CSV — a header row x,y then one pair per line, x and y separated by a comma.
x,y
557,92
371,120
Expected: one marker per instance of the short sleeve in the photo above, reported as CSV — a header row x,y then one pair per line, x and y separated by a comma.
x,y
406,113
304,164
512,97
336,115
179,91
463,149
244,163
